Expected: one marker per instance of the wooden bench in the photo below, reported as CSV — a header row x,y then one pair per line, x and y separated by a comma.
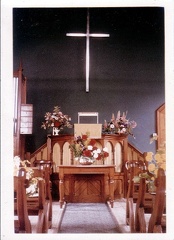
x,y
158,220
134,168
22,223
43,168
37,203
44,199
140,223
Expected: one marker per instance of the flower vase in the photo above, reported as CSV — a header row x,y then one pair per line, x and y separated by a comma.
x,y
56,131
57,124
86,160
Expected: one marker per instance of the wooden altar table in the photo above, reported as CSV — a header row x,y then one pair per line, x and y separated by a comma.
x,y
107,170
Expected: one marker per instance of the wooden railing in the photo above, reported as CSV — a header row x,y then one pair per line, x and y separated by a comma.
x,y
134,153
41,153
61,150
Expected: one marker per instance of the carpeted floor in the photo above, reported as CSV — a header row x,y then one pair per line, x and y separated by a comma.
x,y
88,218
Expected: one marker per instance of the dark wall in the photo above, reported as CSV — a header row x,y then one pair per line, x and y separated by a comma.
x,y
126,69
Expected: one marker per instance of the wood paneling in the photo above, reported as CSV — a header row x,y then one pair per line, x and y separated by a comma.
x,y
86,183
161,126
57,150
84,188
117,145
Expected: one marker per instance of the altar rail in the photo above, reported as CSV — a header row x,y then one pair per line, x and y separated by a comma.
x,y
57,150
42,153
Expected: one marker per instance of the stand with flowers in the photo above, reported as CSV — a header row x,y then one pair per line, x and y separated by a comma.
x,y
85,150
119,125
56,121
18,163
154,163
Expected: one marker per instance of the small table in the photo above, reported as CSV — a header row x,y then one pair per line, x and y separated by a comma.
x,y
107,170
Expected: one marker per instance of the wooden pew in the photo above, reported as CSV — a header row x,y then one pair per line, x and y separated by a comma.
x,y
134,168
44,163
43,168
157,220
22,224
140,223
37,204
43,200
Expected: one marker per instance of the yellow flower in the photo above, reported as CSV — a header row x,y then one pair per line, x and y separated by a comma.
x,y
152,178
156,172
163,156
151,167
163,166
158,158
149,156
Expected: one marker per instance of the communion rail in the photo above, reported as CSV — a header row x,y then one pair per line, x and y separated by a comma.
x,y
57,150
42,153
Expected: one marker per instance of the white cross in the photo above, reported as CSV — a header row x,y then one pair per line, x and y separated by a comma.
x,y
87,35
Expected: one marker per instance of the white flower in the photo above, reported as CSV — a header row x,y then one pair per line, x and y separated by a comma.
x,y
105,149
133,124
95,155
112,126
31,189
90,147
16,161
98,150
53,116
28,175
123,130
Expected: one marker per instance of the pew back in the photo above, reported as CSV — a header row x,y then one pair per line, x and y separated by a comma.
x,y
22,224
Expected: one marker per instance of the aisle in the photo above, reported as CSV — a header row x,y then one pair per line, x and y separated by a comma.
x,y
88,218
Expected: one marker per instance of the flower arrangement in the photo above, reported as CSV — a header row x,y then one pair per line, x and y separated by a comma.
x,y
18,163
84,146
56,119
32,189
119,125
154,162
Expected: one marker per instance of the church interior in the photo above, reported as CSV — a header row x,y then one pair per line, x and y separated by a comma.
x,y
89,121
